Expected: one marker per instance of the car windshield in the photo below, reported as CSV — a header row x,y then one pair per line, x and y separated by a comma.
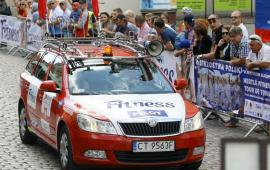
x,y
93,77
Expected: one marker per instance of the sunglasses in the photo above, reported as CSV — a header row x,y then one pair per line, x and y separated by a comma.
x,y
212,20
51,3
22,4
234,17
254,39
225,33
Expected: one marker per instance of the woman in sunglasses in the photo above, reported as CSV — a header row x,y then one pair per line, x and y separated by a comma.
x,y
24,7
223,48
202,42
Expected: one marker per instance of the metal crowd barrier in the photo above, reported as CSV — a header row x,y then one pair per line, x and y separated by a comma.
x,y
219,112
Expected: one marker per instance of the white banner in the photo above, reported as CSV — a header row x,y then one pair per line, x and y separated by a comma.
x,y
170,65
34,33
177,67
12,31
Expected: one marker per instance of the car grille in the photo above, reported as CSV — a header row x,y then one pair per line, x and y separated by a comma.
x,y
151,157
143,129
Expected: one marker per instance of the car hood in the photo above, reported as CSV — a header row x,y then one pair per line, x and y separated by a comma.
x,y
134,106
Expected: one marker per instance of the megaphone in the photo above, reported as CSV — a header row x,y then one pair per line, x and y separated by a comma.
x,y
154,48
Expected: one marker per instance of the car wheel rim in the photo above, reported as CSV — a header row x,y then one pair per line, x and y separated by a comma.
x,y
23,122
64,149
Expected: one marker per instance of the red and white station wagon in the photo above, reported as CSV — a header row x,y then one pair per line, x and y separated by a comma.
x,y
111,108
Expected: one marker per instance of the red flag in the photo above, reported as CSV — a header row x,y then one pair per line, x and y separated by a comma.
x,y
95,8
42,9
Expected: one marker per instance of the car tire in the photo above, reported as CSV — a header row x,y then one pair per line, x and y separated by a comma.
x,y
65,150
191,166
26,136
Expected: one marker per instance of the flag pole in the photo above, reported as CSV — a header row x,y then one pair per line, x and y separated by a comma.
x,y
47,26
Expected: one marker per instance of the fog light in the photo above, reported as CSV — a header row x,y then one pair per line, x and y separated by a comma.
x,y
198,150
95,154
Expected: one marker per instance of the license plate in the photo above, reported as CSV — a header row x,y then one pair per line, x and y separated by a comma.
x,y
153,146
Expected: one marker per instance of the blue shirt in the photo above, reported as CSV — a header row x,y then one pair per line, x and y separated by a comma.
x,y
130,27
76,15
183,35
35,16
120,29
90,6
168,34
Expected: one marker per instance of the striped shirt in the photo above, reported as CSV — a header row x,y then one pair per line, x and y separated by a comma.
x,y
35,16
191,36
242,50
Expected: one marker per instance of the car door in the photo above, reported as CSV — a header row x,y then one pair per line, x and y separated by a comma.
x,y
52,102
29,97
39,76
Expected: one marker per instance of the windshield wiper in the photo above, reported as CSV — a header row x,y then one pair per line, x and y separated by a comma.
x,y
85,93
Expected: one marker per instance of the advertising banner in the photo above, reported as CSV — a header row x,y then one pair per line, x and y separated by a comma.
x,y
176,67
229,5
12,31
34,32
232,88
256,88
195,5
158,4
218,85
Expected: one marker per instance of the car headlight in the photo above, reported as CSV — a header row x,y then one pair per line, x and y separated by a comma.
x,y
90,124
195,123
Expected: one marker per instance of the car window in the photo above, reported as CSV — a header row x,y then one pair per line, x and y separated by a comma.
x,y
33,61
121,77
55,73
43,66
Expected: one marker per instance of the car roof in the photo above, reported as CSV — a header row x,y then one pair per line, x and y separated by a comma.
x,y
99,50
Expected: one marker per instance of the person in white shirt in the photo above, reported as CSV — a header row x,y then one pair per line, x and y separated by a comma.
x,y
65,17
218,88
228,90
200,91
237,21
259,56
152,34
53,21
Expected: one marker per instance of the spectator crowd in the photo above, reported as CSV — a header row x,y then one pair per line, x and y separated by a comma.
x,y
226,43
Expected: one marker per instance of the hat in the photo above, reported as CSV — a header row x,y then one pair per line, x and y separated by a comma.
x,y
62,2
82,1
76,4
34,5
183,44
255,37
187,10
120,16
190,19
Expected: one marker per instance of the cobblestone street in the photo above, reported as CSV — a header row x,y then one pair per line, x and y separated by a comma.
x,y
16,155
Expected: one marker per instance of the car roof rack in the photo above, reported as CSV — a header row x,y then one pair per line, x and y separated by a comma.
x,y
72,53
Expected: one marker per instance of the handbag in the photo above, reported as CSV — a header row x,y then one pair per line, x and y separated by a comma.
x,y
6,11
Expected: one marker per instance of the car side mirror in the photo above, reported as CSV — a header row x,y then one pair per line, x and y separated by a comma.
x,y
49,86
180,83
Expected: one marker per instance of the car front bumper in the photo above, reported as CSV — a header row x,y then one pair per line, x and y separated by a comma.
x,y
113,144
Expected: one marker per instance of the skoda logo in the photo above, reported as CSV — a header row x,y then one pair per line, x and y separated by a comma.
x,y
152,122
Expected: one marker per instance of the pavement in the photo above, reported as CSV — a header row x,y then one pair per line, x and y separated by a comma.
x,y
16,155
